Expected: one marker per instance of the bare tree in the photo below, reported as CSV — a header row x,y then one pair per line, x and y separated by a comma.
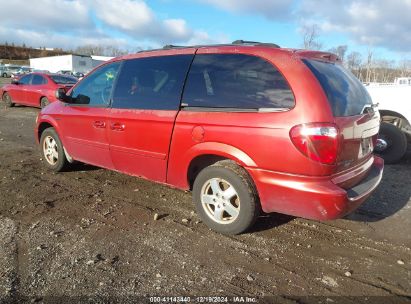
x,y
89,50
310,35
383,70
354,62
405,67
368,66
341,51
113,51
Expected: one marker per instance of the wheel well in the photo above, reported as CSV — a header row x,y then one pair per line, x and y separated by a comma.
x,y
43,126
385,113
402,123
388,113
199,163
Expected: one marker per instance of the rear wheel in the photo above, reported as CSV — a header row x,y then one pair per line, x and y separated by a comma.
x,y
4,75
44,102
392,143
225,198
52,150
7,100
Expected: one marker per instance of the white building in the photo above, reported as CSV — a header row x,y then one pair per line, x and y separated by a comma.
x,y
74,63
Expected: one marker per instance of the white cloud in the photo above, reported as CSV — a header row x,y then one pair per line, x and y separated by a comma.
x,y
57,40
131,23
132,16
272,9
135,18
71,23
375,23
63,15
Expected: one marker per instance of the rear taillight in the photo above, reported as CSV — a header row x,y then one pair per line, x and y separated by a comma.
x,y
318,141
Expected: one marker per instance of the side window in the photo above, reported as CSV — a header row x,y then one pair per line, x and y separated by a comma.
x,y
38,80
236,81
151,83
25,79
96,89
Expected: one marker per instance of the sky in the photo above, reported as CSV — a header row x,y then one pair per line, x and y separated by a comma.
x,y
380,25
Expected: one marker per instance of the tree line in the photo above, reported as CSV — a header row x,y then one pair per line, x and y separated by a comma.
x,y
367,68
11,51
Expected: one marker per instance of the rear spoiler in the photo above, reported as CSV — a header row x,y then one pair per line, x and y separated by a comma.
x,y
324,56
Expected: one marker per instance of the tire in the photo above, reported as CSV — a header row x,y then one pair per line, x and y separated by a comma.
x,y
44,102
52,151
396,143
7,100
211,205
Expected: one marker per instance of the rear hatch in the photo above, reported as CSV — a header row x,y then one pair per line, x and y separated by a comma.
x,y
354,113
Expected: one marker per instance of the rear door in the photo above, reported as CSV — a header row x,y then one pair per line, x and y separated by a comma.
x,y
146,101
353,111
35,91
85,120
18,92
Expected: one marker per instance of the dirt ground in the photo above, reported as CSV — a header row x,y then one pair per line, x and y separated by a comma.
x,y
88,235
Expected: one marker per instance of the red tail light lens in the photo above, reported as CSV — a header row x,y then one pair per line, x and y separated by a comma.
x,y
317,141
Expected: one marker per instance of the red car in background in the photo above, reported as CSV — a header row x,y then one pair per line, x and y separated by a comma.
x,y
35,89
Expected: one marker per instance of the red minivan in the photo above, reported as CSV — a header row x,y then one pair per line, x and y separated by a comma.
x,y
248,127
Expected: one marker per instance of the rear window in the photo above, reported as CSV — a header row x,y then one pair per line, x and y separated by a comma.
x,y
38,80
346,94
63,79
236,81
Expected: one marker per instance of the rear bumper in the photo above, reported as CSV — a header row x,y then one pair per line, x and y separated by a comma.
x,y
317,198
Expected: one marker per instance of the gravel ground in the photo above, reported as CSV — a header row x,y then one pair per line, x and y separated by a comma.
x,y
4,81
89,235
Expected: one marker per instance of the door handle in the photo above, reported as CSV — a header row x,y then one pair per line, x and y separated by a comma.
x,y
99,124
117,126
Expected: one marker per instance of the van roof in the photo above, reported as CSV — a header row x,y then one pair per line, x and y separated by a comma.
x,y
176,49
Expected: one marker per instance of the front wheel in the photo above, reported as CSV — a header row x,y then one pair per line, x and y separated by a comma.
x,y
391,144
225,198
44,102
52,150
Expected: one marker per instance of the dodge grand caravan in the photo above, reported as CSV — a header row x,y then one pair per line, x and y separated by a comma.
x,y
248,127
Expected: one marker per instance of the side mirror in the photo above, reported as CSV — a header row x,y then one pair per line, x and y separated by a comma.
x,y
82,99
61,95
15,81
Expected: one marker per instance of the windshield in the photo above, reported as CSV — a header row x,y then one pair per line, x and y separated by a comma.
x,y
60,79
346,94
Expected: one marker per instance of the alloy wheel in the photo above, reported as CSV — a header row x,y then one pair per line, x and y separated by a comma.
x,y
220,201
50,150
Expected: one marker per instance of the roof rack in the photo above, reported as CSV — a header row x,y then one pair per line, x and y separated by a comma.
x,y
240,42
171,46
236,42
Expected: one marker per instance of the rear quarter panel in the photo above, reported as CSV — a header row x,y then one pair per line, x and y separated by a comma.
x,y
262,138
